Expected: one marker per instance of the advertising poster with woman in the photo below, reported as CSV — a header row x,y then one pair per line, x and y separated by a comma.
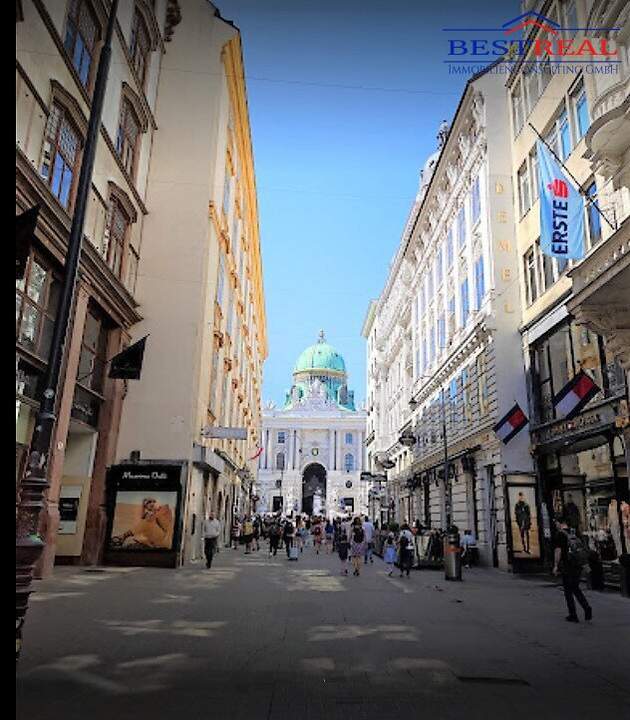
x,y
524,522
143,520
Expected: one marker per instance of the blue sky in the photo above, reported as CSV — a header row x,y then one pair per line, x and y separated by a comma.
x,y
337,167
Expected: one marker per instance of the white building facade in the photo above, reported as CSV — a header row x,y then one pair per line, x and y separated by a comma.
x,y
442,340
313,447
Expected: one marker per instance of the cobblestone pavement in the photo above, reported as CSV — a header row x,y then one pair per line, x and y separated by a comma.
x,y
259,637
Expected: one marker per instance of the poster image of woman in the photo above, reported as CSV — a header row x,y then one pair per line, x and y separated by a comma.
x,y
144,521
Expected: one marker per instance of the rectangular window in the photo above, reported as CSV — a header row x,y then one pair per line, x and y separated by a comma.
x,y
517,110
533,174
282,437
475,203
131,272
348,438
546,273
449,249
221,280
82,33
523,189
466,396
127,137
451,319
116,233
93,360
461,228
140,46
482,384
227,191
564,132
532,85
480,285
438,267
60,154
452,393
531,281
465,302
580,111
441,333
36,300
594,221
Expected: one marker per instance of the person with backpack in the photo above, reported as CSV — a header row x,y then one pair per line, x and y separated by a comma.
x,y
343,547
405,549
274,538
570,557
357,546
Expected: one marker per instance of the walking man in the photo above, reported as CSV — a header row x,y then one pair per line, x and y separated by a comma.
x,y
569,558
211,532
405,548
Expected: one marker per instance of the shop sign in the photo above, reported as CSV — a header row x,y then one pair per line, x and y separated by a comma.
x,y
595,420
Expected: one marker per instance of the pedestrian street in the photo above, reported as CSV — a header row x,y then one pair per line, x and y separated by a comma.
x,y
261,637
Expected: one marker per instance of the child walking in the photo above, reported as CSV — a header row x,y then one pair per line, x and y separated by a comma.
x,y
389,553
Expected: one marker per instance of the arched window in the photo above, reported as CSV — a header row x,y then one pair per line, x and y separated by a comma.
x,y
349,462
280,461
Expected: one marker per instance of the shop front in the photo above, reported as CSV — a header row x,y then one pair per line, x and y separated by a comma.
x,y
145,513
581,457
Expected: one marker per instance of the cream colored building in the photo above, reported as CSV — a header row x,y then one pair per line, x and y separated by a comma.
x,y
57,50
200,279
575,315
443,341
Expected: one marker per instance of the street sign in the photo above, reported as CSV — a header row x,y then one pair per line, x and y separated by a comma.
x,y
224,433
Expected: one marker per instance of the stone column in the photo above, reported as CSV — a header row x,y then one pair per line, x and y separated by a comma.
x,y
331,450
58,450
289,460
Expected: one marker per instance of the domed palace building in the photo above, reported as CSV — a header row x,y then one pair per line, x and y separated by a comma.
x,y
313,447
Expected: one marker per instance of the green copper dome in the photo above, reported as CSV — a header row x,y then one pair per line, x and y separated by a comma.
x,y
320,356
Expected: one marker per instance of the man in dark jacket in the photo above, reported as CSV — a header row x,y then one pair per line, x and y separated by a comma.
x,y
568,564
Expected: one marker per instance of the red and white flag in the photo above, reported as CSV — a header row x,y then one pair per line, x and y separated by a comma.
x,y
575,395
511,424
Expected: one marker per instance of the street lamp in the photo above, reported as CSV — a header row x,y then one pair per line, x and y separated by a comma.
x,y
29,544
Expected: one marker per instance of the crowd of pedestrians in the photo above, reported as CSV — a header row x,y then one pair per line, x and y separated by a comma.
x,y
352,539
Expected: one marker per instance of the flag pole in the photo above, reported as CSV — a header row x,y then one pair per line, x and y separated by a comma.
x,y
581,190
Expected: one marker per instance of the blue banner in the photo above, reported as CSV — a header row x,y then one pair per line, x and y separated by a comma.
x,y
561,210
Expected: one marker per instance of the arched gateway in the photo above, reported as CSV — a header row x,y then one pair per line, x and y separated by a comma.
x,y
314,489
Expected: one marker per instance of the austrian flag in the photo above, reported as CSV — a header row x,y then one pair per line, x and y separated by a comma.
x,y
575,395
511,424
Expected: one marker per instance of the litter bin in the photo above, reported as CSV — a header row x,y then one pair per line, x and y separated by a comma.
x,y
452,556
624,574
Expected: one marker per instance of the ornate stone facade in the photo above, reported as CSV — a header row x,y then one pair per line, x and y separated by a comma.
x,y
442,339
313,447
